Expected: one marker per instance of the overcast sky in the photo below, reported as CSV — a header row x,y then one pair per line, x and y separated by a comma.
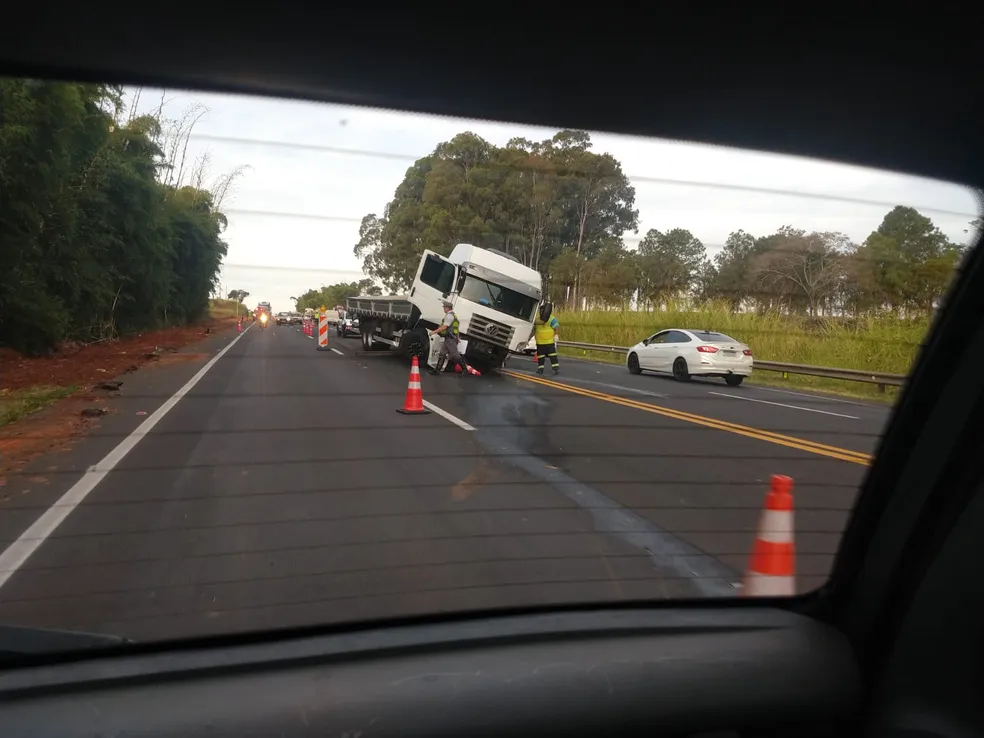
x,y
315,169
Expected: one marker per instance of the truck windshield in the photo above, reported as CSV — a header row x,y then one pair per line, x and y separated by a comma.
x,y
498,298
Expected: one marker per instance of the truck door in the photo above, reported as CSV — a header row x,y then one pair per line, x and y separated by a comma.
x,y
432,285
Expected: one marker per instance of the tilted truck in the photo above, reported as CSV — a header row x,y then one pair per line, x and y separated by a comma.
x,y
494,296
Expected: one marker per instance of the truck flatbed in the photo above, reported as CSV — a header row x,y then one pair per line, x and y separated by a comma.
x,y
385,306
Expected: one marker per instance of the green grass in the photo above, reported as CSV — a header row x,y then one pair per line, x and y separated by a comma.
x,y
15,404
875,344
226,308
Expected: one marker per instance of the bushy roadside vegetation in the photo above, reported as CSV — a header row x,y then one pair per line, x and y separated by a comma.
x,y
106,229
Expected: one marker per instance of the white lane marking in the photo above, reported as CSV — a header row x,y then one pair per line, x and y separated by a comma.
x,y
20,550
824,398
780,404
623,388
448,416
337,351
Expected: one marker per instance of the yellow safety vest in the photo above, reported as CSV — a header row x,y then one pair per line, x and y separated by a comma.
x,y
544,332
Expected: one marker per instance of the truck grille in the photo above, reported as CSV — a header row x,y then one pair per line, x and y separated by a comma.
x,y
490,330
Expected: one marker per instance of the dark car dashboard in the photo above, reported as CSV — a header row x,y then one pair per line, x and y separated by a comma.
x,y
646,672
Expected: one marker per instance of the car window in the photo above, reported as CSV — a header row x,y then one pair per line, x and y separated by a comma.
x,y
713,337
437,273
276,485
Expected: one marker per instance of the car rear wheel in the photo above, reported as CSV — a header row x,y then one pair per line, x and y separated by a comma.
x,y
681,372
733,380
633,364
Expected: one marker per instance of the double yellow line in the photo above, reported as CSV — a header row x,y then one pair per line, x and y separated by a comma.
x,y
834,452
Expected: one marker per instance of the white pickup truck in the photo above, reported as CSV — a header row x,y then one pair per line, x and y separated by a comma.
x,y
494,296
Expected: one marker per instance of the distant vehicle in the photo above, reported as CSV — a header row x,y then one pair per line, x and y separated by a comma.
x,y
348,325
494,296
688,353
296,319
283,318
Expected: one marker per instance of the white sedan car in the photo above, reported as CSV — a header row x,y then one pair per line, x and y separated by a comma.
x,y
686,354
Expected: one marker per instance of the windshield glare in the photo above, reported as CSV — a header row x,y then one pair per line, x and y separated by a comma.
x,y
497,297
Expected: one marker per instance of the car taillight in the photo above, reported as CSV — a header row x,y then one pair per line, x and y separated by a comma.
x,y
747,352
707,349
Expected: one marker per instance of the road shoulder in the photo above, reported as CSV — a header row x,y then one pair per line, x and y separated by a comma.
x,y
45,453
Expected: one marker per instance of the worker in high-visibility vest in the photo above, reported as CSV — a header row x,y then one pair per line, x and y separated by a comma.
x,y
546,332
449,327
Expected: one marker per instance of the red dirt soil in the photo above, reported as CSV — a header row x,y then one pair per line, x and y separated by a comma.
x,y
55,427
84,365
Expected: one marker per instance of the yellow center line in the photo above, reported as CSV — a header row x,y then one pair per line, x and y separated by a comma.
x,y
834,452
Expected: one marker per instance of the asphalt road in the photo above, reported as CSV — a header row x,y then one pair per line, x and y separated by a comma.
x,y
283,489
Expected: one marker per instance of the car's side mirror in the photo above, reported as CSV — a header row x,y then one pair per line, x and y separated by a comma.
x,y
645,341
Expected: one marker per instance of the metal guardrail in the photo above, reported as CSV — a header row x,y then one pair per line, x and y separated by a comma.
x,y
882,379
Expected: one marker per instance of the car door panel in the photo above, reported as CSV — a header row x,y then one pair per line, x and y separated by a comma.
x,y
654,352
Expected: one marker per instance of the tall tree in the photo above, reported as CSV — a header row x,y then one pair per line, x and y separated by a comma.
x,y
95,241
803,268
733,269
533,200
906,263
670,264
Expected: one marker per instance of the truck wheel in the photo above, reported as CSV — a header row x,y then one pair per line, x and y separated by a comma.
x,y
416,343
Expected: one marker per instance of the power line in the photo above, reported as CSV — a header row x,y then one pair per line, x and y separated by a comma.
x,y
284,214
634,178
281,267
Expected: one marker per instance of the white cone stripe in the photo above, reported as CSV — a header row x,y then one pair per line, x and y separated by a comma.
x,y
768,586
415,385
776,526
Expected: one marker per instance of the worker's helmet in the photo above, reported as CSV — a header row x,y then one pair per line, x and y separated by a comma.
x,y
546,309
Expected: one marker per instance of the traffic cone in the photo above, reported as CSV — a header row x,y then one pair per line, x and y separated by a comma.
x,y
772,565
414,402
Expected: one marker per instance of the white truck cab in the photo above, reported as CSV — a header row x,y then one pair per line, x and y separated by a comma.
x,y
495,299
494,296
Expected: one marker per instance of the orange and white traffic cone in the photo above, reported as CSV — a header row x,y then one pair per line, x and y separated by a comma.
x,y
772,565
414,402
